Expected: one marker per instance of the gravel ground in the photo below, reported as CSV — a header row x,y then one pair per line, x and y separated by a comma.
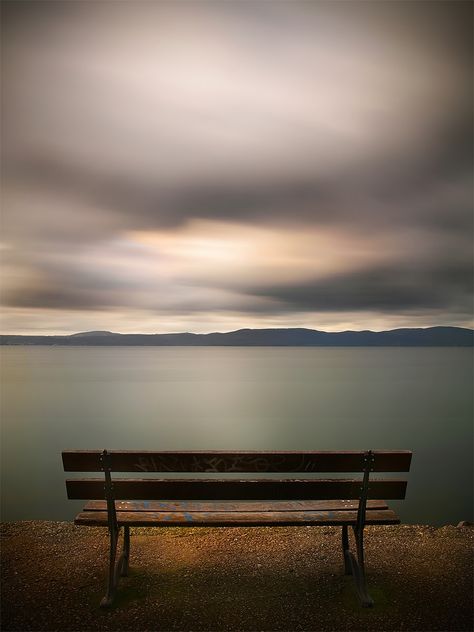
x,y
239,579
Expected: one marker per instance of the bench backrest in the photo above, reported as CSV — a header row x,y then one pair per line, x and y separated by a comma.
x,y
291,486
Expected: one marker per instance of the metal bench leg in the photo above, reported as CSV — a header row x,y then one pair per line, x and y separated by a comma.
x,y
345,551
357,564
119,569
358,570
126,552
116,570
112,577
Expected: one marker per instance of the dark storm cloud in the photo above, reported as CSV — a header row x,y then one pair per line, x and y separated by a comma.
x,y
386,289
52,296
57,285
404,287
143,204
390,192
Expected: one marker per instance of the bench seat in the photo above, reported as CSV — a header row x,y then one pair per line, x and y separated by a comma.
x,y
237,514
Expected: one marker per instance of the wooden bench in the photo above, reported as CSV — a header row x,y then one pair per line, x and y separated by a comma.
x,y
291,498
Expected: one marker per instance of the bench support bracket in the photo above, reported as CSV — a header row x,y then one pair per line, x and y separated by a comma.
x,y
355,565
120,568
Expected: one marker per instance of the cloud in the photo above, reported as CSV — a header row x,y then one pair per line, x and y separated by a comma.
x,y
207,268
150,122
126,122
401,288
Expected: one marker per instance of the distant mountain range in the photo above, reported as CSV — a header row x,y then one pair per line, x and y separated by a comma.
x,y
429,337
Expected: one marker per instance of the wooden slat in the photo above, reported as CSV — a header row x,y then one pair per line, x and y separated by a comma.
x,y
238,519
259,506
235,462
225,489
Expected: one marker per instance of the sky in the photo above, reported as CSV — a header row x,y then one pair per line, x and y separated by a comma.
x,y
209,166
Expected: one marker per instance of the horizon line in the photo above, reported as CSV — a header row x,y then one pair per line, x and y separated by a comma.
x,y
178,333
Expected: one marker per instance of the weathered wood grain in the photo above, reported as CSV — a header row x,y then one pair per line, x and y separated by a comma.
x,y
238,519
235,462
194,505
228,489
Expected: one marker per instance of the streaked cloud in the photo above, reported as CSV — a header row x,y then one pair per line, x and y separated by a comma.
x,y
211,164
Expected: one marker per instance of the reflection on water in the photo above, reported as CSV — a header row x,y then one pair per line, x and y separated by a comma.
x,y
178,398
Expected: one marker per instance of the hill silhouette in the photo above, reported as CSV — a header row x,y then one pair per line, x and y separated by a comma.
x,y
297,337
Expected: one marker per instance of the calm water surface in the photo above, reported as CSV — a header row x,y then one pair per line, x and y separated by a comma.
x,y
178,398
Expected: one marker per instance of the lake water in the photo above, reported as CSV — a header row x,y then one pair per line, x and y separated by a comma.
x,y
176,398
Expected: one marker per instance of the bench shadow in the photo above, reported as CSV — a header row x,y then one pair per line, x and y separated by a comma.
x,y
202,598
